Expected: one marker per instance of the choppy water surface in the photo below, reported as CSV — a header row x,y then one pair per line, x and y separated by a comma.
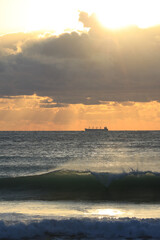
x,y
25,153
106,186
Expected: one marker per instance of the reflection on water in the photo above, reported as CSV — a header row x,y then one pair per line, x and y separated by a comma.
x,y
38,210
108,212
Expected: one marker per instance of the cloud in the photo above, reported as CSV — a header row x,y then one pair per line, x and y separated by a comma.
x,y
11,43
30,115
89,21
89,68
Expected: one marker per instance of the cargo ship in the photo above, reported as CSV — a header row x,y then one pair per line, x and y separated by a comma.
x,y
105,129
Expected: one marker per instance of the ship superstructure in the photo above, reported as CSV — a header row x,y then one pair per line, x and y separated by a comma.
x,y
105,129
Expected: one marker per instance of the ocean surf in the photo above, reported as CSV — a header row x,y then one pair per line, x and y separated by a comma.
x,y
77,185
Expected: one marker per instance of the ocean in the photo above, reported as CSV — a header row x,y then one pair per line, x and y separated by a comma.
x,y
79,185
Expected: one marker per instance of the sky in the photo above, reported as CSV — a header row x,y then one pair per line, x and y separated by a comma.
x,y
67,65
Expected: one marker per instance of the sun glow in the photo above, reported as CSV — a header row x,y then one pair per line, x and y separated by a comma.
x,y
22,15
46,15
118,14
108,212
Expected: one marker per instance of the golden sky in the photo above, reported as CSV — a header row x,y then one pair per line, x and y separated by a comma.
x,y
67,65
33,15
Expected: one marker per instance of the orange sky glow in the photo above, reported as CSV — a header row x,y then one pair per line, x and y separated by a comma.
x,y
67,65
29,113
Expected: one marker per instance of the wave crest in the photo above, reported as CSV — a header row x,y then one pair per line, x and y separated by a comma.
x,y
77,185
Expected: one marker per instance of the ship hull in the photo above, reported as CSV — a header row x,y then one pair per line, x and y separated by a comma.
x,y
95,130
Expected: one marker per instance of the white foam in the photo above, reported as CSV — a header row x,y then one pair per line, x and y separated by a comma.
x,y
99,229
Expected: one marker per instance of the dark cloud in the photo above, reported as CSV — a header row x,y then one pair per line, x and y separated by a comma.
x,y
67,45
2,66
53,105
101,65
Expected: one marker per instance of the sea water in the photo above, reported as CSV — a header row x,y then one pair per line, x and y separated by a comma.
x,y
79,185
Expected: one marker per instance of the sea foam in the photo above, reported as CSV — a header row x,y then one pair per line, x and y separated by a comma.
x,y
86,228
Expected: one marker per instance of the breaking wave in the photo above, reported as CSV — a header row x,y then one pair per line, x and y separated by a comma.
x,y
82,229
76,185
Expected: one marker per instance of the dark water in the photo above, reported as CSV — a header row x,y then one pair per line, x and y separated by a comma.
x,y
29,153
79,185
74,185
